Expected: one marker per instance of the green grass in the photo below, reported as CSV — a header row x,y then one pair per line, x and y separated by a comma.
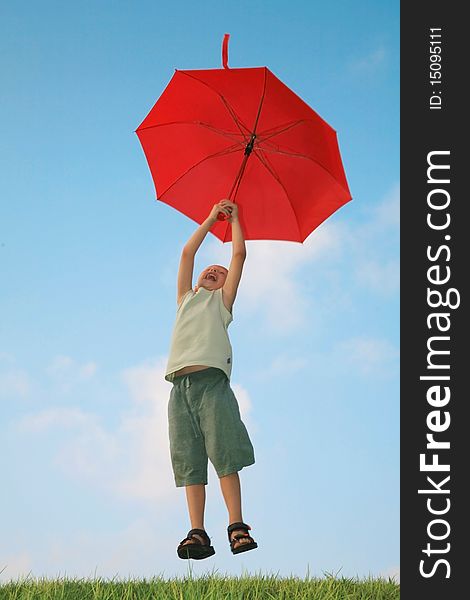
x,y
206,587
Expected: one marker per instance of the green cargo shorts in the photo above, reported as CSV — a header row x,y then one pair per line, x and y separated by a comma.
x,y
204,422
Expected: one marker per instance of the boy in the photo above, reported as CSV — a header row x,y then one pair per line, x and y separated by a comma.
x,y
203,412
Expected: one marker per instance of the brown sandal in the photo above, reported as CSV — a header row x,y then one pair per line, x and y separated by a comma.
x,y
242,547
195,550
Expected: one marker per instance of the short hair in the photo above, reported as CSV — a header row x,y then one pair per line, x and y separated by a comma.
x,y
223,267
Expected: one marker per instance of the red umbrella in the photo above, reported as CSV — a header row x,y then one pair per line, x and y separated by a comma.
x,y
242,134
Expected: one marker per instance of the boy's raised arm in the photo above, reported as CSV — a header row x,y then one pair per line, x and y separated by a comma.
x,y
185,272
238,258
238,241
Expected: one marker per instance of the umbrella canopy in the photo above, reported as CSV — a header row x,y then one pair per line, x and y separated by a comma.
x,y
242,134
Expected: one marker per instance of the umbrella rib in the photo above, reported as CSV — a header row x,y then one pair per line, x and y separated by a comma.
x,y
261,101
229,150
235,117
264,161
200,123
250,144
230,109
231,136
298,155
285,128
277,150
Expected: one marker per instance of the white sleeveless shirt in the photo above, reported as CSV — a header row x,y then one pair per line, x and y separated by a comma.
x,y
200,333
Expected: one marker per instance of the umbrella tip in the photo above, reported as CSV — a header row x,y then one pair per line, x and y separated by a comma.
x,y
225,51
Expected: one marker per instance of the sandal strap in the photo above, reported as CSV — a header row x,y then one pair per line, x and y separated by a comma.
x,y
240,536
200,532
235,526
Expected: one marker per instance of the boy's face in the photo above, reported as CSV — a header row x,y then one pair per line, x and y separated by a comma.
x,y
212,278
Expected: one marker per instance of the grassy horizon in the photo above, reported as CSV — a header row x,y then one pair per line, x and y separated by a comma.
x,y
210,586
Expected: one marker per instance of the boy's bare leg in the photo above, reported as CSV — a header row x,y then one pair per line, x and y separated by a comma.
x,y
230,486
196,497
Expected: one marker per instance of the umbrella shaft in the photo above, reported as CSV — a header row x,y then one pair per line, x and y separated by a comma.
x,y
248,149
249,146
239,176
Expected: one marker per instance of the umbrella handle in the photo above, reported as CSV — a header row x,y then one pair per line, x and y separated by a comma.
x,y
225,51
222,216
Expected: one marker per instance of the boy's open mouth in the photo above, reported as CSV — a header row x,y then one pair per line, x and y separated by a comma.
x,y
211,276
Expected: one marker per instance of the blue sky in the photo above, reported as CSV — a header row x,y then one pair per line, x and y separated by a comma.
x,y
88,264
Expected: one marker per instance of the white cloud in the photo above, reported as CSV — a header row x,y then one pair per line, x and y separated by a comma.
x,y
286,285
387,212
89,451
282,365
392,572
129,461
275,274
55,417
370,62
14,566
132,460
384,278
66,372
127,552
64,365
374,246
244,403
382,217
144,432
15,383
370,356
